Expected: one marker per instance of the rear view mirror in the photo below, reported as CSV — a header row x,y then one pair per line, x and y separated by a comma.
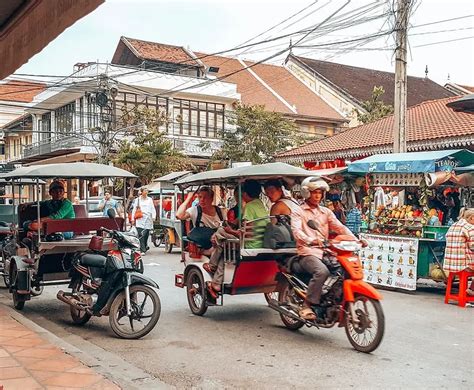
x,y
111,213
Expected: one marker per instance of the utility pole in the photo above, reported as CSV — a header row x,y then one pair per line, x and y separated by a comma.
x,y
400,109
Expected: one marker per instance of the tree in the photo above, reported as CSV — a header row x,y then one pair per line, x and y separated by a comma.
x,y
146,152
259,135
375,108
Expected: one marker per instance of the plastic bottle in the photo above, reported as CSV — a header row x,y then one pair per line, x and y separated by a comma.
x,y
450,222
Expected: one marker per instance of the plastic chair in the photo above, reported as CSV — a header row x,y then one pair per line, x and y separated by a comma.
x,y
461,297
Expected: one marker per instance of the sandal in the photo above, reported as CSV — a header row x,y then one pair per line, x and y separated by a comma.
x,y
307,314
209,268
212,292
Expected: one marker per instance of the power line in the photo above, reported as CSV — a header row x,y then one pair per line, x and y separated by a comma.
x,y
449,40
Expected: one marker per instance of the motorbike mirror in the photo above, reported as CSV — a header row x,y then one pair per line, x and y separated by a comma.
x,y
313,224
111,213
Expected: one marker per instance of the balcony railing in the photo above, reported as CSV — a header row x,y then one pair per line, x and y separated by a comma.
x,y
48,146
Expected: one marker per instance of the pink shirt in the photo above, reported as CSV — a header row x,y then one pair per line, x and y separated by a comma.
x,y
304,235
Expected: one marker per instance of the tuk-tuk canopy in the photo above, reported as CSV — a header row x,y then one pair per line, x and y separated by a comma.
x,y
19,181
276,170
173,176
415,162
77,170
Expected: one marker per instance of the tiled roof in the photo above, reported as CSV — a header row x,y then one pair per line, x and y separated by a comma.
x,y
298,96
426,123
468,87
20,91
359,82
155,51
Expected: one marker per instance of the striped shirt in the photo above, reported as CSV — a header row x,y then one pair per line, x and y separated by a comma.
x,y
459,246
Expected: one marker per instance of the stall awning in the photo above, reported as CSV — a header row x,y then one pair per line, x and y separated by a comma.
x,y
417,162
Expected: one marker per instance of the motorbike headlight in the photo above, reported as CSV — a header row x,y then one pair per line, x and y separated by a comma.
x,y
347,246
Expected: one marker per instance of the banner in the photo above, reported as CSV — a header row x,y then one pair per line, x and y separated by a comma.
x,y
390,261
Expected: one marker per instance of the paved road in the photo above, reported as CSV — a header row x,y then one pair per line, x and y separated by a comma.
x,y
243,344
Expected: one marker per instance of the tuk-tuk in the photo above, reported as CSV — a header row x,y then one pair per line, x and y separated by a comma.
x,y
275,270
34,259
166,228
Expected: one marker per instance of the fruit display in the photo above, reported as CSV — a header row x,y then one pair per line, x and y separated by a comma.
x,y
402,220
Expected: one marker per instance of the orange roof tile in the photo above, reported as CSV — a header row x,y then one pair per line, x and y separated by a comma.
x,y
427,121
20,91
278,78
155,51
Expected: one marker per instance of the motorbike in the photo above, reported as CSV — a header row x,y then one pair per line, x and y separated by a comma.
x,y
346,299
113,285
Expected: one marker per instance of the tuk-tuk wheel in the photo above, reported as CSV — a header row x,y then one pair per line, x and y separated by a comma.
x,y
18,299
6,273
196,292
166,240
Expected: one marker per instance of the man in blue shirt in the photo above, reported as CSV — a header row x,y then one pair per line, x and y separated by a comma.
x,y
107,203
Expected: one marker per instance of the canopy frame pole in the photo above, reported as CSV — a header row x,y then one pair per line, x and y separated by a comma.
x,y
38,211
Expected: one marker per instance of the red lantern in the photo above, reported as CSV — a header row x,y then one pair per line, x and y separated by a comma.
x,y
309,164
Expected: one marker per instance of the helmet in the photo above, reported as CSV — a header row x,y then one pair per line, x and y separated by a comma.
x,y
313,183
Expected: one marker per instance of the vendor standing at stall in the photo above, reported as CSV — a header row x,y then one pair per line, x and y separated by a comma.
x,y
459,253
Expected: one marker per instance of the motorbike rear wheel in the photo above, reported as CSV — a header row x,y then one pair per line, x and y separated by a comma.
x,y
285,293
366,335
196,292
139,294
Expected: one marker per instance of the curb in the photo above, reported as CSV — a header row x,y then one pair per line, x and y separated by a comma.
x,y
105,363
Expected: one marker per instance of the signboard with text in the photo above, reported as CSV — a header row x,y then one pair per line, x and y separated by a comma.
x,y
390,261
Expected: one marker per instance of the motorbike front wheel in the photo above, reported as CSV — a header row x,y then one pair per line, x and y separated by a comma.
x,y
157,238
146,309
366,333
286,296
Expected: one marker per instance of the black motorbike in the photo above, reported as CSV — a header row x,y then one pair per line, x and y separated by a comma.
x,y
113,285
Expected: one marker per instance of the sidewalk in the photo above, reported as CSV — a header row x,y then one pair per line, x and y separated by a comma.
x,y
27,362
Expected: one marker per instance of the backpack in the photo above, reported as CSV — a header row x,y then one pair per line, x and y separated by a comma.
x,y
201,235
279,236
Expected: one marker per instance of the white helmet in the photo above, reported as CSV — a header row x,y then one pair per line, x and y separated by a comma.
x,y
313,183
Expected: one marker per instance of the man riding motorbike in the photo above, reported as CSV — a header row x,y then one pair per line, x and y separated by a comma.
x,y
309,242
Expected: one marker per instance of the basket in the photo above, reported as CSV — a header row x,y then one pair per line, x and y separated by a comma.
x,y
435,232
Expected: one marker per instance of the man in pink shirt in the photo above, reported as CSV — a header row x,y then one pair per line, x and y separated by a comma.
x,y
309,241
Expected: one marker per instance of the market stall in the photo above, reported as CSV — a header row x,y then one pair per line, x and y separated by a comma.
x,y
413,198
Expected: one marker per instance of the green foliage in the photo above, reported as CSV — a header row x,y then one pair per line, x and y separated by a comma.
x,y
259,135
374,107
144,150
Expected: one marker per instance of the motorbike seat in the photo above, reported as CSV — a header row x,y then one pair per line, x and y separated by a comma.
x,y
91,260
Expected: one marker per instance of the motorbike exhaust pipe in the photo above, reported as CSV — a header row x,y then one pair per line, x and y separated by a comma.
x,y
61,295
282,310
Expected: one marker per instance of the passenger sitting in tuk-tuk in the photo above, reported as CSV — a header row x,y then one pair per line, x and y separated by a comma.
x,y
281,204
254,210
278,234
58,207
206,217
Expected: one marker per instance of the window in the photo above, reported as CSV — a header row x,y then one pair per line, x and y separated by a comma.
x,y
199,119
64,119
45,127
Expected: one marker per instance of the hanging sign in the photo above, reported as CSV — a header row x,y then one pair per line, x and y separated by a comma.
x,y
390,261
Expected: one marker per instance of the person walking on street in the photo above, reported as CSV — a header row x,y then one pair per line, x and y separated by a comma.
x,y
143,215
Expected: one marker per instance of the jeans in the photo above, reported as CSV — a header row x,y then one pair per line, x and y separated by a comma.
x,y
320,272
143,235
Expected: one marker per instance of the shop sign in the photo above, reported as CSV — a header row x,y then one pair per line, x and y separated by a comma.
x,y
390,261
446,165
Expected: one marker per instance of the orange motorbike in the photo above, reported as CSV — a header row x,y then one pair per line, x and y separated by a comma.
x,y
346,300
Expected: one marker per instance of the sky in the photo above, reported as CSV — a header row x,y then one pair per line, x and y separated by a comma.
x,y
214,25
